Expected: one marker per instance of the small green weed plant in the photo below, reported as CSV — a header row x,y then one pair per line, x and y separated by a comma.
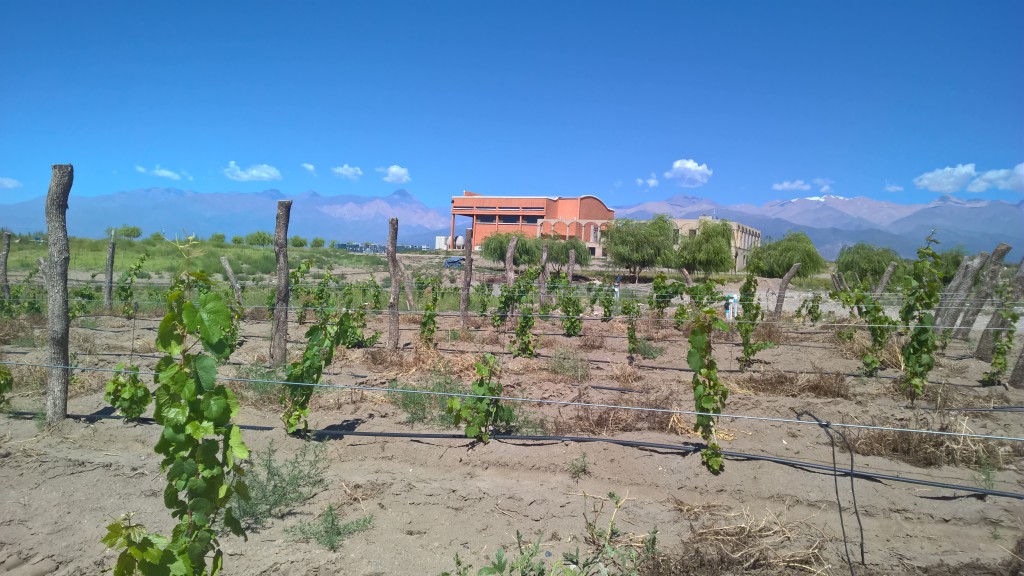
x,y
329,531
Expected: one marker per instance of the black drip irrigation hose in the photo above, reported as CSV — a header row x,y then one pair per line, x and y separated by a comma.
x,y
689,448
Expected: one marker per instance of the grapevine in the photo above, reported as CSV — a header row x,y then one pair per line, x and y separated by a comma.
x,y
571,305
482,297
432,292
747,320
880,326
482,415
1003,338
923,290
632,312
709,394
661,296
127,393
202,450
126,286
6,385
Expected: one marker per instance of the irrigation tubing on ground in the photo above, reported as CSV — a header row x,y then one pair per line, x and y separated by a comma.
x,y
688,448
569,403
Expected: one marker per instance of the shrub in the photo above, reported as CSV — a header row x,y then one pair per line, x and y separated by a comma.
x,y
276,485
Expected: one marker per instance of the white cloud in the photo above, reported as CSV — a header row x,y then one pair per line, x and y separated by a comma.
x,y
1005,179
309,168
395,174
9,184
893,188
259,172
649,182
161,172
794,185
825,185
946,180
689,173
346,171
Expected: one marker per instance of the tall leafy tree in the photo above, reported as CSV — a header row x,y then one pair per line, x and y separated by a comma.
x,y
558,252
639,244
709,251
774,259
868,262
495,246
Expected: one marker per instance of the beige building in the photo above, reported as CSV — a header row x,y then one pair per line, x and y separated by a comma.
x,y
744,238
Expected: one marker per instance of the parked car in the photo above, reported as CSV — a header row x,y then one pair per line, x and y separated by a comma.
x,y
454,261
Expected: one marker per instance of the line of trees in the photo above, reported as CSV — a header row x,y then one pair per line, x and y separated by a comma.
x,y
528,250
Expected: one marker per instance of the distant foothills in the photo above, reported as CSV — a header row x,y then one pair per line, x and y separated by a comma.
x,y
830,221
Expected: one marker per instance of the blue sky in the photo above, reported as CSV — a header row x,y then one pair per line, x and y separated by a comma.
x,y
739,102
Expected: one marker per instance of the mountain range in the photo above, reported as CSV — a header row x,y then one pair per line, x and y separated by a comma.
x,y
830,221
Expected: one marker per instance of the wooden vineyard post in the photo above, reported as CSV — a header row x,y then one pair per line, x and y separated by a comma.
x,y
108,286
570,270
510,254
407,283
5,288
467,279
986,343
56,279
1017,376
782,289
955,294
279,329
392,254
986,288
542,278
885,279
231,278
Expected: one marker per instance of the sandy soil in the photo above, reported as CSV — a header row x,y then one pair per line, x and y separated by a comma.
x,y
433,498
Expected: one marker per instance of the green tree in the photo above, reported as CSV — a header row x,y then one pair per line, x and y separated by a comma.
x,y
495,246
125,231
318,242
260,238
867,263
558,252
237,240
639,244
298,242
774,259
709,251
217,238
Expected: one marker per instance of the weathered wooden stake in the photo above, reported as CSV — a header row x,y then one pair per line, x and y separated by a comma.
x,y
570,270
467,279
1017,376
782,289
231,278
56,278
986,343
108,286
407,283
953,297
279,334
5,288
989,276
510,254
885,279
686,277
396,279
542,278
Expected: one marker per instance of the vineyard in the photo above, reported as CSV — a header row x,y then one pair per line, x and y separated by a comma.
x,y
417,420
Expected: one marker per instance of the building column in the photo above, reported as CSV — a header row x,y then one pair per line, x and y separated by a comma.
x,y
451,237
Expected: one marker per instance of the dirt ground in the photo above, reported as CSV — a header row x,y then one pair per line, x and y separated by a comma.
x,y
433,498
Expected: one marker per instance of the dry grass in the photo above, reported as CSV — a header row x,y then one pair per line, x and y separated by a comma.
x,y
609,421
777,383
28,380
591,342
724,543
12,329
930,450
83,342
625,374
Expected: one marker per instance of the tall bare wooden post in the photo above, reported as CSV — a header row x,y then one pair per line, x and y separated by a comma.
x,y
56,277
108,285
953,297
396,279
467,279
407,283
279,334
510,254
542,278
989,277
1017,375
986,343
782,289
570,270
885,279
231,278
5,288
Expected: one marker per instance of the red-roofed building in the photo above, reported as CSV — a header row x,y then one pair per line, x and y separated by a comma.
x,y
584,217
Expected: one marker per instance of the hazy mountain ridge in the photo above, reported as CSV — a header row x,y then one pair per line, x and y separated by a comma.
x,y
830,221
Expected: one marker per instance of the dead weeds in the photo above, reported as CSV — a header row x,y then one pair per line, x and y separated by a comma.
x,y
777,383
